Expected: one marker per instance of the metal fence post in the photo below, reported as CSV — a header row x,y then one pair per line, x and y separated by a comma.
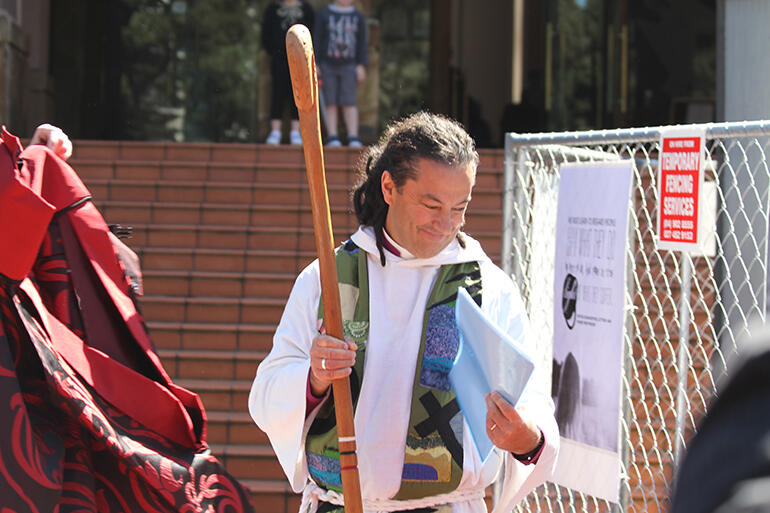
x,y
683,358
506,258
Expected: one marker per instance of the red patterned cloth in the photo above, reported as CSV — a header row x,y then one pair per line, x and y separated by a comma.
x,y
92,422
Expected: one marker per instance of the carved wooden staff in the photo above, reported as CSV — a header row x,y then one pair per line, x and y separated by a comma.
x,y
299,48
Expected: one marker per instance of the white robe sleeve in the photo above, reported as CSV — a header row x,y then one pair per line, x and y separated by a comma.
x,y
502,301
279,393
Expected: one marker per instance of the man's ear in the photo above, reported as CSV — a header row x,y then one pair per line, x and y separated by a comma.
x,y
388,187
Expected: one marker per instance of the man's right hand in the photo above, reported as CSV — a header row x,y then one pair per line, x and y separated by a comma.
x,y
54,138
330,359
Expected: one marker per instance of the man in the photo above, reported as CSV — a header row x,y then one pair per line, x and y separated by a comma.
x,y
727,465
399,275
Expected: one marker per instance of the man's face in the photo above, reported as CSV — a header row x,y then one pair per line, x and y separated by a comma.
x,y
426,214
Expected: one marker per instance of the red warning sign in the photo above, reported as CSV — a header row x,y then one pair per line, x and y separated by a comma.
x,y
680,181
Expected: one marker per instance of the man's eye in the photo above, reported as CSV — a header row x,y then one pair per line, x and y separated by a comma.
x,y
431,207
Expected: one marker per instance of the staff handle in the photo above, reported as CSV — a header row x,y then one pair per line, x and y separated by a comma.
x,y
299,49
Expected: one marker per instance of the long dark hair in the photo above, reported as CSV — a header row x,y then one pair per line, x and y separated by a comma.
x,y
421,135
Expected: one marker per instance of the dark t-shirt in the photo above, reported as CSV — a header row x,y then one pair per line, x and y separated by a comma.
x,y
340,36
278,18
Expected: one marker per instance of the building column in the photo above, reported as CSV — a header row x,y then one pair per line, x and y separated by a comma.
x,y
13,57
743,72
35,20
744,43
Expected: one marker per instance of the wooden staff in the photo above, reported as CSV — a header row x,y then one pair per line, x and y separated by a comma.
x,y
299,48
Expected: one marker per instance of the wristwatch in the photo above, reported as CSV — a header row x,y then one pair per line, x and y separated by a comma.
x,y
526,458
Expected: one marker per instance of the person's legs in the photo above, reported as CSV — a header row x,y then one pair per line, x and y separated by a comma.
x,y
330,90
350,113
347,94
281,82
333,138
294,136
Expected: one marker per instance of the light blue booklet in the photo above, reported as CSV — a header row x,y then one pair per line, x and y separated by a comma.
x,y
487,360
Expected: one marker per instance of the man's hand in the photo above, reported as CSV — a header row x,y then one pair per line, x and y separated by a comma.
x,y
130,261
54,138
508,428
330,359
360,73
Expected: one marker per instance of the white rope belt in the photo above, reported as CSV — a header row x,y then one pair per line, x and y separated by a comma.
x,y
314,493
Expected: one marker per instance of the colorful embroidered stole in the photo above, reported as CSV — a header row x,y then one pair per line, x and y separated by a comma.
x,y
433,461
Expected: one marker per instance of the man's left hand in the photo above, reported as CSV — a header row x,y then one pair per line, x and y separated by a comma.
x,y
509,428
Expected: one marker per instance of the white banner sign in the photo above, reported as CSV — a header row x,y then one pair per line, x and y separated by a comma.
x,y
589,296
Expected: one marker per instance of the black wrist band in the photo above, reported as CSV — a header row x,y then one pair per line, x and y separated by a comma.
x,y
531,454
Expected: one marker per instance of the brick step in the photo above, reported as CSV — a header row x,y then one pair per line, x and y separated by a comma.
x,y
229,152
255,237
196,191
246,461
225,260
222,336
211,364
223,171
289,216
228,237
219,284
273,495
205,152
210,172
215,214
212,309
220,394
233,427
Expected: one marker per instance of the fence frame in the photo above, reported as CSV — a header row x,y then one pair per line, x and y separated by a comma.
x,y
730,319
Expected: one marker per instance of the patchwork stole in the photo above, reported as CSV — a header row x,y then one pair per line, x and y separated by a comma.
x,y
433,461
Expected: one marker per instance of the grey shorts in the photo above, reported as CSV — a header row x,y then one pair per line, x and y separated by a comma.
x,y
338,83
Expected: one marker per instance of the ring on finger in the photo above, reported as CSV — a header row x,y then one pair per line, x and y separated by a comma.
x,y
492,427
323,363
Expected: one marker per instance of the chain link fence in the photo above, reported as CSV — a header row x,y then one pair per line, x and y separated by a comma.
x,y
685,313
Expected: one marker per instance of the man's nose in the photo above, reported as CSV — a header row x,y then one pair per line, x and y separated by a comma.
x,y
443,222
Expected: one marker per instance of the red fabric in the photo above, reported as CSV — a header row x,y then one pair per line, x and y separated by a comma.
x,y
388,245
92,235
93,422
50,177
24,213
121,386
91,254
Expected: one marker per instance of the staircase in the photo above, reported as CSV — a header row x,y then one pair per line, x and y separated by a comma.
x,y
222,230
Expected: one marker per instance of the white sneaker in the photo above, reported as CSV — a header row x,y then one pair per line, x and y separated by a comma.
x,y
296,138
274,137
333,141
354,142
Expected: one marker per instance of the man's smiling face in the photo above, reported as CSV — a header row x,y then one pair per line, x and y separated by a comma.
x,y
426,213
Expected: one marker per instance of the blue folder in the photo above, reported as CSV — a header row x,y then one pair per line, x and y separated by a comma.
x,y
487,360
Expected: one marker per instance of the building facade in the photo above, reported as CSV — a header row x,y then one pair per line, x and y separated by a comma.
x,y
193,70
